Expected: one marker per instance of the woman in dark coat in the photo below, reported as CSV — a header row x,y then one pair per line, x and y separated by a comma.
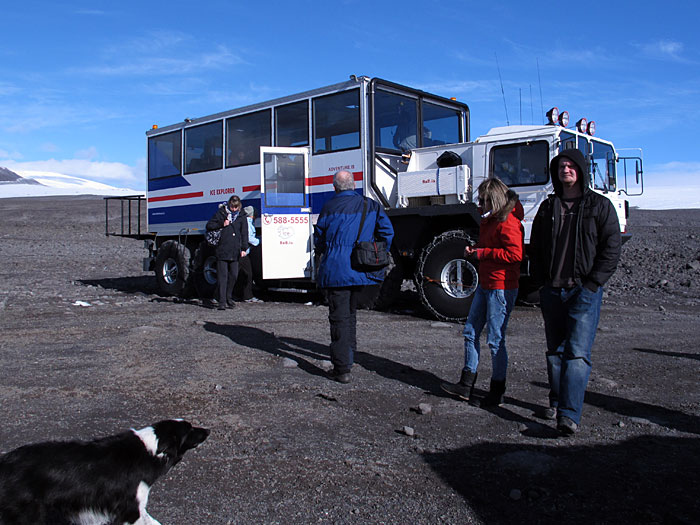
x,y
232,246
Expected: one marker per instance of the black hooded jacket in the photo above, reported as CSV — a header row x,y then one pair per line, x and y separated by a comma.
x,y
597,242
234,237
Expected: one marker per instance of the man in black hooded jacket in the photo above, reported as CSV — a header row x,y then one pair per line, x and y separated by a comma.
x,y
575,248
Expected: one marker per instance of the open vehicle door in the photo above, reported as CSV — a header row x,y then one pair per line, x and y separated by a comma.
x,y
630,173
287,233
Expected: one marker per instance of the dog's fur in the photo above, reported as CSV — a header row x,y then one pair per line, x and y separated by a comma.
x,y
99,482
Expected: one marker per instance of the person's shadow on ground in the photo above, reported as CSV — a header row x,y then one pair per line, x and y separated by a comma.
x,y
300,351
304,352
659,415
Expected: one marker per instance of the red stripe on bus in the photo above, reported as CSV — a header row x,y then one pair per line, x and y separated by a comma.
x,y
328,179
251,188
175,197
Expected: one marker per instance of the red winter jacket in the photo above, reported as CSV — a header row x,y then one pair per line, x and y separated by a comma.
x,y
500,247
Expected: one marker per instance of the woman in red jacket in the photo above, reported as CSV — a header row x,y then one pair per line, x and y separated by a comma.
x,y
499,252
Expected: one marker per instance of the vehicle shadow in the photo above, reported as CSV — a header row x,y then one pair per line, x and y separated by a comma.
x,y
641,480
135,284
662,416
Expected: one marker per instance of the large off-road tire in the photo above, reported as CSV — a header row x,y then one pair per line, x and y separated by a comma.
x,y
172,268
383,296
205,280
445,281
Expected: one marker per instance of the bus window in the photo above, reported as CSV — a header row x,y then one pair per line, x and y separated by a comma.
x,y
395,122
164,155
337,122
520,164
245,135
602,167
440,125
567,141
292,124
203,147
284,180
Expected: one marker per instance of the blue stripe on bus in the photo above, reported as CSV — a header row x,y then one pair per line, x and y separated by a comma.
x,y
168,182
205,211
192,212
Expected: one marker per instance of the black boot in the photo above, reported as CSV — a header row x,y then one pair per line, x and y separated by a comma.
x,y
464,388
495,396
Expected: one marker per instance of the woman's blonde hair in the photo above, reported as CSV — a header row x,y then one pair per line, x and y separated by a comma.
x,y
495,192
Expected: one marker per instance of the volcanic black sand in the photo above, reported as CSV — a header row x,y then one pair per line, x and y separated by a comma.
x,y
88,348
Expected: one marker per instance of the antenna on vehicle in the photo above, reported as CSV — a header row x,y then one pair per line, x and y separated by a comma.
x,y
532,111
540,81
502,92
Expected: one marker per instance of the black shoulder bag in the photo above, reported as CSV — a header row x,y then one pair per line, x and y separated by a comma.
x,y
368,256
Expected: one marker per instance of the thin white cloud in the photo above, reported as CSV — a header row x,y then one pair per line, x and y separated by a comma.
x,y
91,12
663,50
49,147
668,171
87,154
50,111
9,155
7,89
162,54
471,90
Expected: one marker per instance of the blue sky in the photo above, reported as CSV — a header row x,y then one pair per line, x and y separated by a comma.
x,y
82,81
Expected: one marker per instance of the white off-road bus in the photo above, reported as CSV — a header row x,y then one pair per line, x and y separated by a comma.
x,y
409,150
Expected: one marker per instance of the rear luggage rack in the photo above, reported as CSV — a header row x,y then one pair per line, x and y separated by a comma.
x,y
131,217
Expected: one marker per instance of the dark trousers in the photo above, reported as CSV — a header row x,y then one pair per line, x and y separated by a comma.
x,y
342,306
244,284
226,273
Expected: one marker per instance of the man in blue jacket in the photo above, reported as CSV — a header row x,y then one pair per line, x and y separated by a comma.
x,y
334,236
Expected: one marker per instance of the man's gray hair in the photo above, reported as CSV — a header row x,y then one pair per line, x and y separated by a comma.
x,y
343,180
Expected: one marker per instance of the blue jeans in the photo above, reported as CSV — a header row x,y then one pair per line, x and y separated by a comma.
x,y
570,322
492,308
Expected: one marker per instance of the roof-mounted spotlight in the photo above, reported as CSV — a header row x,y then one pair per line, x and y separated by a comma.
x,y
564,118
553,115
591,128
581,125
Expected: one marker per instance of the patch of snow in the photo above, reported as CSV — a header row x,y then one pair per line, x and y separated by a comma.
x,y
81,303
56,184
672,197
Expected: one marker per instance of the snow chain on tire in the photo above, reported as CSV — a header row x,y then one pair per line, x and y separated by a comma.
x,y
438,263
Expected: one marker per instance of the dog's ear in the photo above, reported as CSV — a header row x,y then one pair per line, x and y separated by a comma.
x,y
194,438
175,437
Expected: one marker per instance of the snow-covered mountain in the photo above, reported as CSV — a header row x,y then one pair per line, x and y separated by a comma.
x,y
45,184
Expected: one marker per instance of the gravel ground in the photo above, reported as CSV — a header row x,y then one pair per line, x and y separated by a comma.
x,y
89,348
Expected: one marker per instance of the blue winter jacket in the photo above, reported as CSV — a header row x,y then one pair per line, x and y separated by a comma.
x,y
335,233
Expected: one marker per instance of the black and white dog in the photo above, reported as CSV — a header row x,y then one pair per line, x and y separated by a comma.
x,y
105,481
